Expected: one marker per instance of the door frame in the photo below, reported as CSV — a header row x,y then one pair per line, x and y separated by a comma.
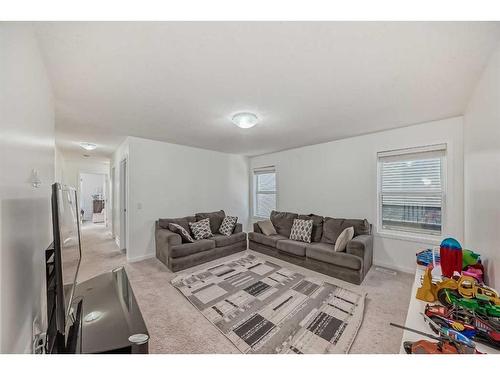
x,y
105,186
123,204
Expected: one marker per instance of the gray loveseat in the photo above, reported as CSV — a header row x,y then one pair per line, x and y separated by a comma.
x,y
177,255
319,255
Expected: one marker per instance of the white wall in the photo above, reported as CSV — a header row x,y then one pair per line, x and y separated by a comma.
x,y
26,142
59,165
73,168
482,168
168,180
339,179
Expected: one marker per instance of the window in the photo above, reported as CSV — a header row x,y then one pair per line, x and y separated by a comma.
x,y
264,188
411,190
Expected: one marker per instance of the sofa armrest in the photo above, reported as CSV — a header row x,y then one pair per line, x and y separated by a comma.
x,y
256,228
362,246
165,239
238,228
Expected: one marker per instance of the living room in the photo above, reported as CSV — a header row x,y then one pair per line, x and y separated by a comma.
x,y
250,187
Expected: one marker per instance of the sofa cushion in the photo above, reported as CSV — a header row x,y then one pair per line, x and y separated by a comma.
x,y
182,221
292,247
201,229
270,241
331,229
283,221
324,252
266,227
344,238
215,219
176,228
186,249
361,226
317,230
301,230
223,240
227,226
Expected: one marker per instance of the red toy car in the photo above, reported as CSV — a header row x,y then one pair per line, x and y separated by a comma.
x,y
473,326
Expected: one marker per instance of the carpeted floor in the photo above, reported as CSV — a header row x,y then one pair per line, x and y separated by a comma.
x,y
176,326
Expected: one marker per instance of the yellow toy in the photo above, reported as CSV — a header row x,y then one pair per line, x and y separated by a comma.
x,y
427,292
468,287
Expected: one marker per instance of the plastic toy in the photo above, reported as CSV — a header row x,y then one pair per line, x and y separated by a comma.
x,y
427,292
469,258
465,292
468,287
425,258
448,342
468,323
450,252
475,272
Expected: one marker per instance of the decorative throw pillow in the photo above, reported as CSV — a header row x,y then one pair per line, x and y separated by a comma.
x,y
201,229
267,227
346,235
227,226
301,230
176,228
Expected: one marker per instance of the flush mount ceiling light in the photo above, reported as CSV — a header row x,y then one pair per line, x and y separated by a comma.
x,y
245,120
88,146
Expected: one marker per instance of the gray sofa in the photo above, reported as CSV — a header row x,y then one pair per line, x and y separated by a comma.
x,y
319,255
177,255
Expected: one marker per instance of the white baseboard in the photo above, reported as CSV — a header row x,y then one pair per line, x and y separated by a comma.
x,y
394,267
139,258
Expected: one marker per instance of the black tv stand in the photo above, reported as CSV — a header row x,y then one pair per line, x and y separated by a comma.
x,y
106,317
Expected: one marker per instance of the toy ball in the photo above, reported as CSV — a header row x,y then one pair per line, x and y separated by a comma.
x,y
450,253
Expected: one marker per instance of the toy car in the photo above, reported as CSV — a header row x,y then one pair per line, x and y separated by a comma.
x,y
467,322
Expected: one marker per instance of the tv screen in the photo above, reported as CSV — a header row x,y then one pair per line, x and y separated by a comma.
x,y
67,248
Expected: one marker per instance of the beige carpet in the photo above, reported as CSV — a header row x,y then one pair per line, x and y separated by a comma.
x,y
176,326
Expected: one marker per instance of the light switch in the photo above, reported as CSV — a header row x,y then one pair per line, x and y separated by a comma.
x,y
139,206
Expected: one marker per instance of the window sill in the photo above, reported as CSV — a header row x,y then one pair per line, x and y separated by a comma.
x,y
429,240
259,218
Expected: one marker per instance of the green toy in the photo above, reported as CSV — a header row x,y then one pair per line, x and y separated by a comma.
x,y
477,306
469,258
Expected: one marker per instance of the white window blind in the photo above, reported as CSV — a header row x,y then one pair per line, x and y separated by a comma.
x,y
264,191
412,190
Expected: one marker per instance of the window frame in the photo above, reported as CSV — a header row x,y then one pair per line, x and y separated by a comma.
x,y
262,170
409,234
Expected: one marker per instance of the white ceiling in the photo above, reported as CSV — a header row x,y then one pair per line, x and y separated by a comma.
x,y
309,82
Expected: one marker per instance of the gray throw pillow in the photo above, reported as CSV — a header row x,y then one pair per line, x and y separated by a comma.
x,y
176,228
201,229
301,230
267,227
283,221
227,226
216,219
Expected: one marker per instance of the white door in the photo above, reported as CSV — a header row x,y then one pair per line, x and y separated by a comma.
x,y
123,204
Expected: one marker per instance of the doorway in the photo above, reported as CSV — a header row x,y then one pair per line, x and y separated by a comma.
x,y
93,191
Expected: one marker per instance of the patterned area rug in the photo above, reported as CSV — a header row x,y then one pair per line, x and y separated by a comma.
x,y
264,308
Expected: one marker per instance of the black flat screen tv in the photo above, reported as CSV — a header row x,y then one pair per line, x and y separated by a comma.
x,y
67,255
